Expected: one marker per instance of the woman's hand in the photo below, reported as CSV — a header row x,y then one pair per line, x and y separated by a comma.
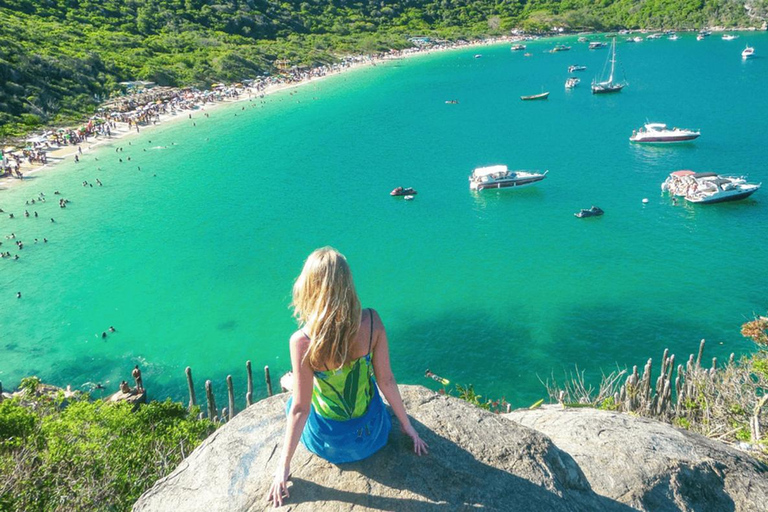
x,y
279,488
419,446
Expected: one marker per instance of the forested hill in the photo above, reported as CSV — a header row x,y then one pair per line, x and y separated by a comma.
x,y
59,58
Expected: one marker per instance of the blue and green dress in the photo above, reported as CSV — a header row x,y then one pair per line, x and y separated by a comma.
x,y
347,420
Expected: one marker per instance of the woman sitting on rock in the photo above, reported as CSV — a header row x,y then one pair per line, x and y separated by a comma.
x,y
338,356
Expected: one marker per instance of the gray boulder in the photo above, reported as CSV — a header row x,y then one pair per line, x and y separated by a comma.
x,y
650,465
476,460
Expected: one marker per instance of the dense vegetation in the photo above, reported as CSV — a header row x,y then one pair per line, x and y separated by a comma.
x,y
88,455
60,58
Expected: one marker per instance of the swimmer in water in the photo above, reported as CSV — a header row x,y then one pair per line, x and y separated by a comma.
x,y
104,334
18,295
111,329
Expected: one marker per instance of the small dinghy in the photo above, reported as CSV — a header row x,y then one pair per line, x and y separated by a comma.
x,y
591,212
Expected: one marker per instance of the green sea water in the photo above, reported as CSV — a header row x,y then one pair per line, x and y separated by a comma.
x,y
193,256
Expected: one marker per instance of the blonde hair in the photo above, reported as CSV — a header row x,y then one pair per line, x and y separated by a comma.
x,y
327,307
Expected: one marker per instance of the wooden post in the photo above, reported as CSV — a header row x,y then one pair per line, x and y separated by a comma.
x,y
212,412
269,381
231,391
191,386
249,393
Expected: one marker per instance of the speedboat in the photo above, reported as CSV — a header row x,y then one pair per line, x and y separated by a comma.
x,y
499,176
518,47
560,48
400,191
708,187
478,55
595,211
576,67
571,82
596,45
673,37
583,39
748,52
729,37
653,36
541,96
720,189
659,133
700,37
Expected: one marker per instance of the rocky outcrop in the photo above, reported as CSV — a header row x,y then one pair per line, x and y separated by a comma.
x,y
476,460
651,465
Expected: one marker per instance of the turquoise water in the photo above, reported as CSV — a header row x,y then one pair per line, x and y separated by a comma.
x,y
192,258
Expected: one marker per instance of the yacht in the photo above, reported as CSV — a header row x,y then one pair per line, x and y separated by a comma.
x,y
699,37
673,37
748,52
571,82
560,48
729,37
575,67
499,176
518,47
708,187
653,36
720,189
659,133
596,45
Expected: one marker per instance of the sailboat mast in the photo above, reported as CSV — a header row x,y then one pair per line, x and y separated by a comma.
x,y
613,60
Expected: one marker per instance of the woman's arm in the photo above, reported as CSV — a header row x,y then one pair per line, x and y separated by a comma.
x,y
297,416
386,381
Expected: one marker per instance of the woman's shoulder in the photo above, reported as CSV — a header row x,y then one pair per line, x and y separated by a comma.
x,y
299,340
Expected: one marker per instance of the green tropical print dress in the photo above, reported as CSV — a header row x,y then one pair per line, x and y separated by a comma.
x,y
345,393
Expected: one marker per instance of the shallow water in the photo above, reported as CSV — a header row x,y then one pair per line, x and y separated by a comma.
x,y
192,258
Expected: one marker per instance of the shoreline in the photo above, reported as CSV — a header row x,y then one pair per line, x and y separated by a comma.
x,y
123,130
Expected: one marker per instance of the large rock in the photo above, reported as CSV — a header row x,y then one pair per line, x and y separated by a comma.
x,y
476,460
651,465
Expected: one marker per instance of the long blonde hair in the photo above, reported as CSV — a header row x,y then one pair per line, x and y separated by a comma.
x,y
327,307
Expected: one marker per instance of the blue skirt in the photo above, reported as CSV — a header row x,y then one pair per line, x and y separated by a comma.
x,y
350,440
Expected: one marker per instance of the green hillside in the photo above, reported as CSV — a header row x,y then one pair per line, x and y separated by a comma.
x,y
60,58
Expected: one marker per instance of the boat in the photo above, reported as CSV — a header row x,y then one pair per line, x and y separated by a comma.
x,y
653,36
401,191
575,67
594,211
526,55
452,102
729,37
609,85
541,96
637,39
596,45
478,55
748,52
560,48
673,37
518,47
583,39
659,133
409,197
720,189
699,37
571,82
705,33
708,187
499,176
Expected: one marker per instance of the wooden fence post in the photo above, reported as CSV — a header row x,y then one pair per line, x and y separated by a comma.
x,y
231,391
192,399
212,411
249,394
269,381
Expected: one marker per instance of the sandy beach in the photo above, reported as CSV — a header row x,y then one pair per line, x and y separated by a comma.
x,y
124,130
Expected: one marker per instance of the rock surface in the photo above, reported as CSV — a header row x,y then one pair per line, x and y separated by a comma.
x,y
651,465
476,460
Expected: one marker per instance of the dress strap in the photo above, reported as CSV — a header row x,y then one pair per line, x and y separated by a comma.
x,y
370,340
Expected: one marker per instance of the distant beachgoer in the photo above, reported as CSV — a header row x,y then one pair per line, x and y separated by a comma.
x,y
125,388
136,373
18,295
111,329
10,215
337,343
77,159
104,334
52,220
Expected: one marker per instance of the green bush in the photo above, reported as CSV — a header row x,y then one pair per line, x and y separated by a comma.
x,y
89,455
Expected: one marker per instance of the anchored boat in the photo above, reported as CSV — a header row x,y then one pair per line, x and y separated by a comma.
x,y
499,176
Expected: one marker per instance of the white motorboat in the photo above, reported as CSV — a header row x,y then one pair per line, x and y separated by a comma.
x,y
659,133
729,37
748,52
708,187
596,45
653,36
499,176
518,47
571,82
673,37
700,37
576,67
721,189
607,86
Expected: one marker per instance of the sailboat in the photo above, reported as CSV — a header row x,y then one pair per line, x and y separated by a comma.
x,y
609,85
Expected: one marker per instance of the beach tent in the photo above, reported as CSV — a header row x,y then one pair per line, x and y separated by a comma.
x,y
36,139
